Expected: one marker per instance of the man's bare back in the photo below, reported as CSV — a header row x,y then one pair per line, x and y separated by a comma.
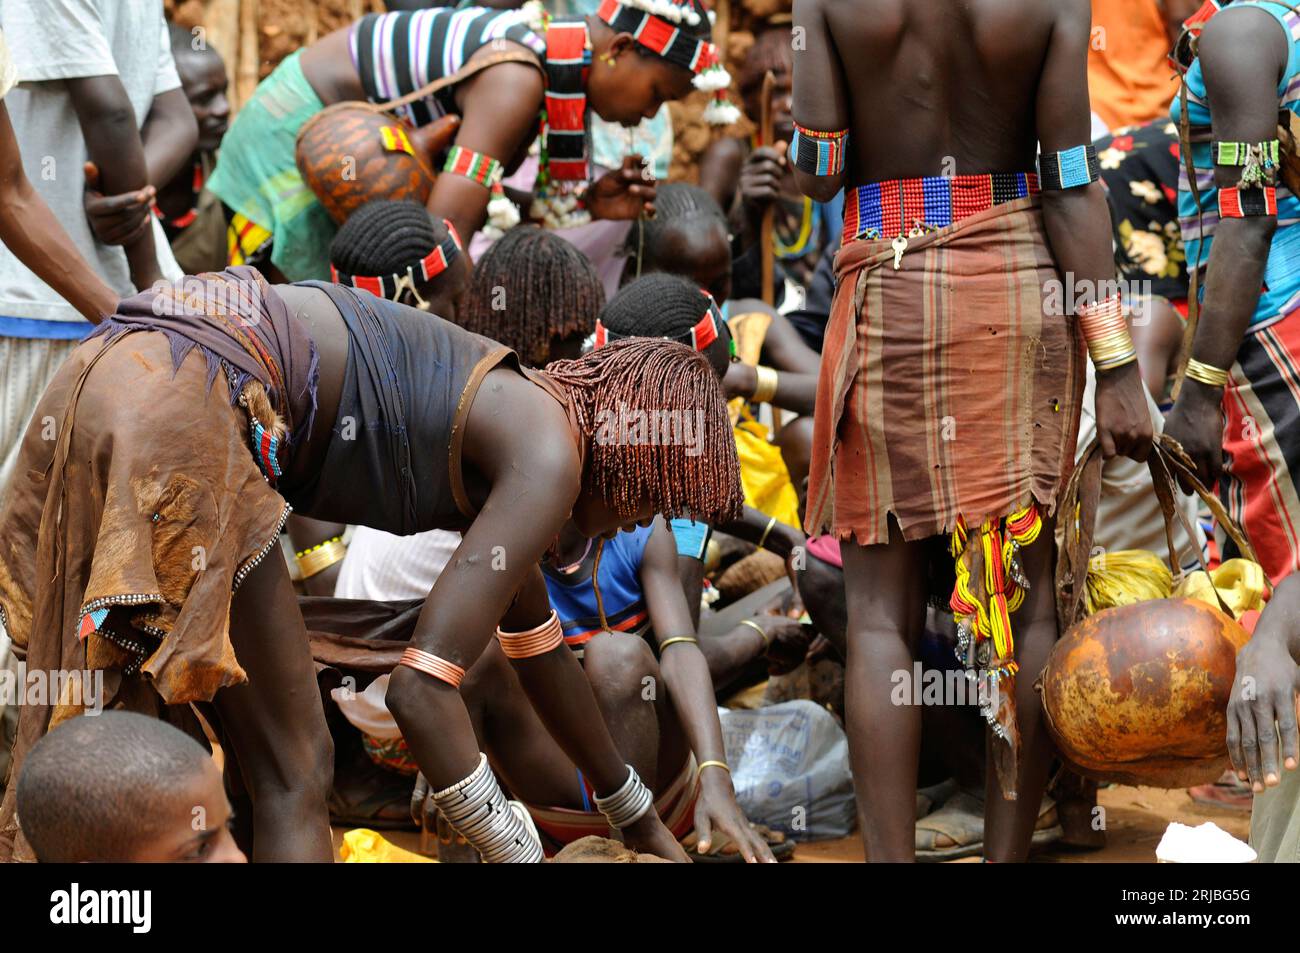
x,y
936,87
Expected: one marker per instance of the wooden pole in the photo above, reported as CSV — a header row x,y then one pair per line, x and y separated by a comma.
x,y
221,21
765,137
249,58
722,28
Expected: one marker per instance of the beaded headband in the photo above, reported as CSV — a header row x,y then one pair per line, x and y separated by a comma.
x,y
707,330
424,270
651,24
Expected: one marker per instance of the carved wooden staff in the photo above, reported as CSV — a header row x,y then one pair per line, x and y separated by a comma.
x,y
765,235
766,246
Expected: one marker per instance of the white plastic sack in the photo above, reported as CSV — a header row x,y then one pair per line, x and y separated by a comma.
x,y
790,766
367,710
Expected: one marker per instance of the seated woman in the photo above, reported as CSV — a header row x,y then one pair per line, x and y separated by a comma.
x,y
634,637
499,70
688,237
203,413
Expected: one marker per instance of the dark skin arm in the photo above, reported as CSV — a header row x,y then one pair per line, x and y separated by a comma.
x,y
499,110
29,229
785,541
1243,56
113,144
785,351
686,678
1078,222
1158,337
820,99
1176,12
764,178
305,533
170,136
519,442
720,170
1264,694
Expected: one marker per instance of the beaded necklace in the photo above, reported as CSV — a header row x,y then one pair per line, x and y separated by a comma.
x,y
563,139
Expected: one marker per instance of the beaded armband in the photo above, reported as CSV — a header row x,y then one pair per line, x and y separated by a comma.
x,y
1247,203
818,153
1069,169
1258,161
474,166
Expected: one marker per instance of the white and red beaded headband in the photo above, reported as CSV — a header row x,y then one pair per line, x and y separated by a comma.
x,y
651,24
705,331
424,270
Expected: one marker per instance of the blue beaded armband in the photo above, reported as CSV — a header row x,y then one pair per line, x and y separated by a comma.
x,y
1069,169
818,153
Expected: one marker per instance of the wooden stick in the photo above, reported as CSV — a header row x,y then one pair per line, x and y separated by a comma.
x,y
766,137
722,28
249,57
765,240
221,20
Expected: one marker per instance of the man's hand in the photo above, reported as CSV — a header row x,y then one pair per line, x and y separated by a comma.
x,y
788,643
740,380
1263,703
1196,422
717,809
117,219
1123,419
760,179
624,193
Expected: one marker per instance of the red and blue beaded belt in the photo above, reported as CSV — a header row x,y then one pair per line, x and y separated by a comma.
x,y
885,210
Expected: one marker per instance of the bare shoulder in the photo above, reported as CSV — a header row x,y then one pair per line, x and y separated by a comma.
x,y
1242,31
515,425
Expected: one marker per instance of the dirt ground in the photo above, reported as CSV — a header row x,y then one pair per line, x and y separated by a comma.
x,y
1135,820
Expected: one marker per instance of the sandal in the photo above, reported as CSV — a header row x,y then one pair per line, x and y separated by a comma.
x,y
935,796
961,823
379,800
725,851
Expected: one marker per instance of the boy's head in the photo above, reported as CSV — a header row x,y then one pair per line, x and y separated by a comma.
x,y
660,305
688,236
123,787
203,77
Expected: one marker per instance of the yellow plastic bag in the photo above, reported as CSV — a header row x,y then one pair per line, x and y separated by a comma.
x,y
1240,582
364,846
1126,577
763,474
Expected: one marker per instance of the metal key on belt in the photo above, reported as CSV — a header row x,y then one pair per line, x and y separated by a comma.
x,y
900,246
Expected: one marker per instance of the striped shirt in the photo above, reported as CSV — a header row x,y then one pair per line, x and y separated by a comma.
x,y
397,53
1282,272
